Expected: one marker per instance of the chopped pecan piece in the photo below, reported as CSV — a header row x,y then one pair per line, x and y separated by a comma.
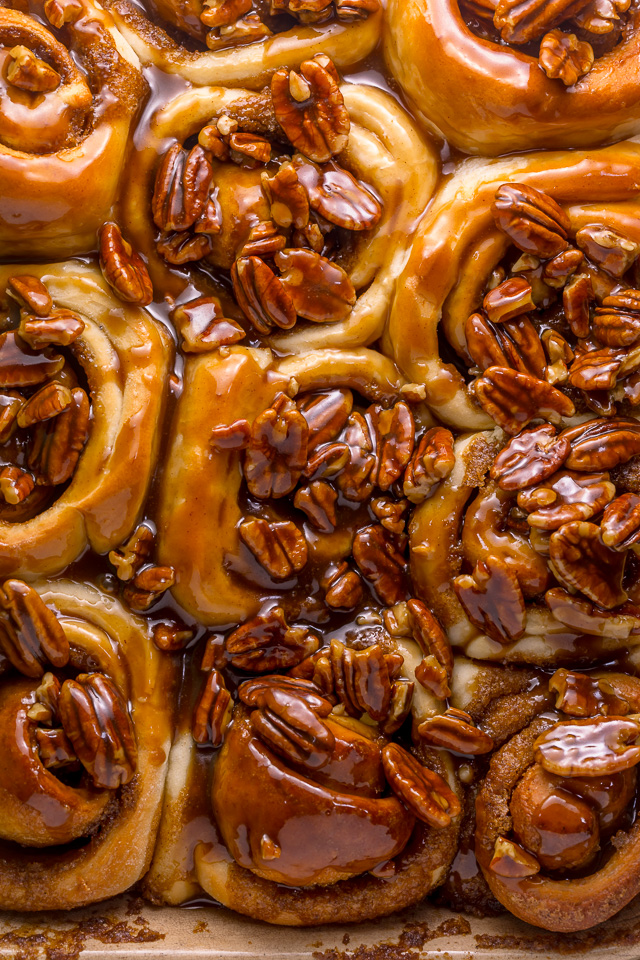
x,y
326,415
170,636
391,513
10,403
530,457
31,293
318,502
58,445
565,497
355,9
60,327
147,586
602,444
202,325
179,248
531,219
48,693
264,240
212,712
620,524
399,707
356,480
594,747
15,484
342,586
580,695
29,72
248,149
55,749
182,188
509,299
493,600
59,12
559,354
337,196
279,547
287,196
580,561
562,56
96,720
608,248
380,562
22,367
454,730
245,30
576,298
49,401
328,461
394,433
557,271
432,461
261,295
617,322
520,22
513,399
221,13
584,617
231,436
600,16
305,11
424,792
132,555
311,113
277,451
511,860
267,643
123,268
318,289
30,633
291,728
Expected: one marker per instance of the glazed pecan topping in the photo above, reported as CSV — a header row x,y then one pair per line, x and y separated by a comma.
x,y
565,497
29,72
60,328
391,513
576,298
147,586
15,484
355,9
582,562
306,11
277,451
559,354
319,290
264,240
10,403
286,723
132,555
493,600
617,322
49,401
310,108
530,457
580,695
288,198
380,562
182,188
222,13
608,248
600,16
595,747
533,221
512,860
562,56
454,730
57,445
31,293
280,547
432,461
602,444
520,21
59,12
326,415
342,587
21,367
30,633
212,712
620,524
361,679
318,502
513,343
123,268
513,399
584,617
55,749
96,720
508,300
424,792
356,480
394,433
556,272
179,248
169,636
436,669
337,196
328,461
261,295
267,643
254,692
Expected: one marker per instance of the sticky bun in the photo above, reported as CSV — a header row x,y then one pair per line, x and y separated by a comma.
x,y
495,77
69,91
87,725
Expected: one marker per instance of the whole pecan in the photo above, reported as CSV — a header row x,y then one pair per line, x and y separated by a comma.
x,y
454,730
423,791
381,563
130,556
95,718
337,196
31,293
27,71
147,586
267,643
594,747
532,220
356,481
566,496
492,599
212,712
394,439
58,445
181,188
286,723
620,524
31,635
432,461
318,502
277,451
319,290
617,322
530,457
279,547
602,444
261,295
310,108
562,56
609,249
580,561
342,587
123,269
326,414
513,399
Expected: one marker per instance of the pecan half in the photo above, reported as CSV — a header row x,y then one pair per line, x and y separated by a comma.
x,y
337,196
181,188
264,240
261,295
134,553
310,108
291,728
399,707
280,547
533,221
60,327
380,562
601,16
423,791
557,271
287,196
513,399
212,712
277,451
512,343
609,249
318,502
371,681
319,290
595,747
203,327
620,524
30,633
22,367
253,692
58,445
580,561
584,617
147,586
55,749
96,720
580,695
454,730
602,444
342,587
432,461
31,293
328,461
391,513
326,415
267,643
29,72
508,300
565,497
520,21
492,599
231,436
530,457
576,298
15,484
394,432
122,267
179,248
617,322
563,57
356,480
47,402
